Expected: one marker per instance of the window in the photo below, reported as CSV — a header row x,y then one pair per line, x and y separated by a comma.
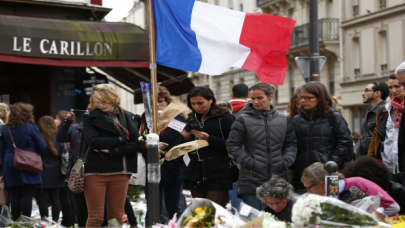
x,y
356,8
358,114
356,58
383,53
275,95
218,94
241,7
216,2
242,80
231,84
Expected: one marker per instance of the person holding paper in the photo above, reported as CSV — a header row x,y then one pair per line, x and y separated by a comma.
x,y
207,173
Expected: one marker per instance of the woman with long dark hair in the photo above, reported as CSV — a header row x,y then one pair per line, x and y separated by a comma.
x,y
20,184
322,133
208,174
52,178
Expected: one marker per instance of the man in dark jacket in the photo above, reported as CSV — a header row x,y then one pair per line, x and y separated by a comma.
x,y
269,141
240,94
375,95
400,73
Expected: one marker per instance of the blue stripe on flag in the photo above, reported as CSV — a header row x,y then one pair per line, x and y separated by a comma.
x,y
176,43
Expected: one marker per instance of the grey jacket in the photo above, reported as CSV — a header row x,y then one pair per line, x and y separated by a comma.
x,y
270,146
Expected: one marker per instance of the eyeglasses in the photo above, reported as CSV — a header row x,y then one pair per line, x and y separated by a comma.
x,y
161,101
308,98
276,204
368,90
309,188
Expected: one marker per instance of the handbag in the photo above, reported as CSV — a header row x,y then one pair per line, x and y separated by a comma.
x,y
139,178
233,167
64,159
26,160
76,178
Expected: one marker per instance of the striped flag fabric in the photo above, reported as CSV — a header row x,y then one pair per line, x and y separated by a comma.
x,y
200,37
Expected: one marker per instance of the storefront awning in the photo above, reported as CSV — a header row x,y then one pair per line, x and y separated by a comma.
x,y
120,49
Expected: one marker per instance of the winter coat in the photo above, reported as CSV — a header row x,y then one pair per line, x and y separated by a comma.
x,y
215,155
401,145
74,136
28,138
1,164
315,142
99,133
270,146
172,171
367,129
51,174
377,142
286,213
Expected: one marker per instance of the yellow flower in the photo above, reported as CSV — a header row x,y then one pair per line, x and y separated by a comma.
x,y
198,210
205,209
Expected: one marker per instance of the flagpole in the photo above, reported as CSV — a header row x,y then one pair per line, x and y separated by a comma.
x,y
153,166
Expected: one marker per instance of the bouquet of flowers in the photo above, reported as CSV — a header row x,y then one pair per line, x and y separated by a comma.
x,y
204,213
310,210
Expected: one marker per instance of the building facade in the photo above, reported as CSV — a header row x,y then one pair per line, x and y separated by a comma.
x,y
373,45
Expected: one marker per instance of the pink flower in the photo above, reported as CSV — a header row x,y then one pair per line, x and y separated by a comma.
x,y
172,223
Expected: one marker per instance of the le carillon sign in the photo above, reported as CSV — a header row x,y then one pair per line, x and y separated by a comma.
x,y
78,40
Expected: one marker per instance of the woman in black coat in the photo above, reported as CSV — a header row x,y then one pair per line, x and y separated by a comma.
x,y
208,173
322,133
52,177
111,134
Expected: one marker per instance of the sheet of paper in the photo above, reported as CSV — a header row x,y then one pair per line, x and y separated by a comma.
x,y
177,125
244,210
186,159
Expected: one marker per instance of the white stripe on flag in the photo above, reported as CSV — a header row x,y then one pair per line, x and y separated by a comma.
x,y
218,32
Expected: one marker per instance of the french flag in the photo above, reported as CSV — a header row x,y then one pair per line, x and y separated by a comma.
x,y
200,37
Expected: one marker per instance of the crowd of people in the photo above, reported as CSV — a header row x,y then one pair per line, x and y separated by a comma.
x,y
279,156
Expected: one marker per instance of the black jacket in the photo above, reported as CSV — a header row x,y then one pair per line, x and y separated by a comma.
x,y
367,129
286,213
172,171
397,192
51,174
401,145
215,155
270,146
73,135
315,142
99,134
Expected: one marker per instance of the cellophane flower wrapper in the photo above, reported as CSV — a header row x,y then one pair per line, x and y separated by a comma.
x,y
24,221
52,223
5,217
247,213
368,204
310,210
113,223
270,221
148,102
222,218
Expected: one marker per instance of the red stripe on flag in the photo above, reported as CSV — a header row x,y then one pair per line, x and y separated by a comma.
x,y
268,37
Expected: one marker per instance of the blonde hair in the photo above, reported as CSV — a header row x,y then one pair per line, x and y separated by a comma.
x,y
104,93
164,92
4,112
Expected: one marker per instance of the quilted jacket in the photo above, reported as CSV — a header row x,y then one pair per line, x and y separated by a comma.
x,y
270,146
315,142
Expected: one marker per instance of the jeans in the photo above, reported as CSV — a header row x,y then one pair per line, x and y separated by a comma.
x,y
66,204
251,200
96,189
235,200
21,200
43,202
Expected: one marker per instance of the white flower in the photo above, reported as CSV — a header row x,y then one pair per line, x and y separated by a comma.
x,y
140,138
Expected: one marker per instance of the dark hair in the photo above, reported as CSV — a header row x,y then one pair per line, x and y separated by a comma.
x,y
393,77
240,91
368,168
20,114
320,92
383,88
267,88
208,95
47,128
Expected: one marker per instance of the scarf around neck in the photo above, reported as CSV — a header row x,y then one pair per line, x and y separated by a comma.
x,y
121,126
398,106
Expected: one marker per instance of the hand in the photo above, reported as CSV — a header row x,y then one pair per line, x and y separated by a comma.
x,y
103,150
163,145
201,135
186,135
70,115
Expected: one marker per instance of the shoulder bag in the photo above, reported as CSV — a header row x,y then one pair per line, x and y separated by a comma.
x,y
26,160
232,164
76,179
